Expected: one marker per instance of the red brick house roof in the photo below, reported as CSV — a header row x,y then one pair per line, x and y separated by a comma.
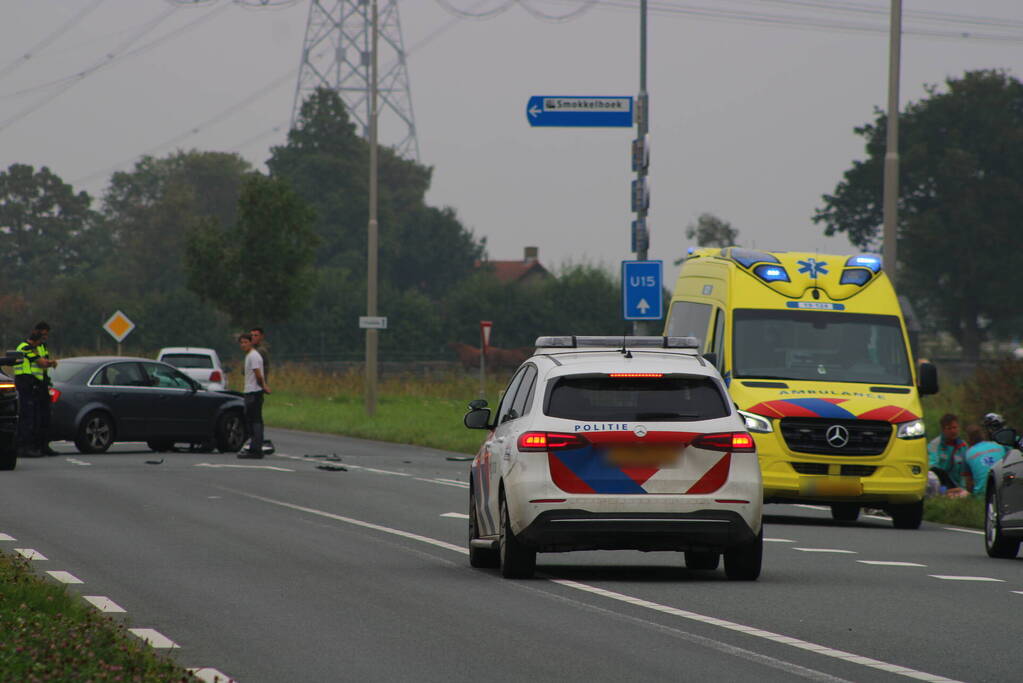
x,y
526,270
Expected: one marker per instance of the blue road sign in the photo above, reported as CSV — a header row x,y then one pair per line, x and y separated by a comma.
x,y
641,290
556,110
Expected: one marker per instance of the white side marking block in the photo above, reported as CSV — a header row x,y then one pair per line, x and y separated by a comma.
x,y
826,550
6,537
211,675
30,554
103,603
456,515
153,638
219,466
965,531
778,540
885,563
965,578
65,577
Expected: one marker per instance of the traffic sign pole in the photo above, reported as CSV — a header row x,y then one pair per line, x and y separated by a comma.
x,y
485,327
643,127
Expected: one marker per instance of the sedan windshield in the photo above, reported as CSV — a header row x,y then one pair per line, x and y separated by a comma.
x,y
819,346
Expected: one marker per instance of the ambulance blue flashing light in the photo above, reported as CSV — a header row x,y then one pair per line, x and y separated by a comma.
x,y
769,273
855,276
869,261
747,257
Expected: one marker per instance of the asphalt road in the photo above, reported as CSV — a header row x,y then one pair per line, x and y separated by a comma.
x,y
277,570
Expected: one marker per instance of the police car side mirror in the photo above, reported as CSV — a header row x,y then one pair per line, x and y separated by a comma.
x,y
1006,437
927,379
477,419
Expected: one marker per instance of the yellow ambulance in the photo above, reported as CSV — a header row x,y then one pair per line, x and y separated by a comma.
x,y
815,353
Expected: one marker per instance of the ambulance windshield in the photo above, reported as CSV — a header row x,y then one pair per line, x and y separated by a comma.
x,y
823,346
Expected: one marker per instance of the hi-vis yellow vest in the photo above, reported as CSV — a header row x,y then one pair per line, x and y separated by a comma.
x,y
27,366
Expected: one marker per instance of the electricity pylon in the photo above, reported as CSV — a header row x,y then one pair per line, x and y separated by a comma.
x,y
336,55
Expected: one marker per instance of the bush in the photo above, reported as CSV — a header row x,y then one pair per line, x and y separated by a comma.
x,y
994,388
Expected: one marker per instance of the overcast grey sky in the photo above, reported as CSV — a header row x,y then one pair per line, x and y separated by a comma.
x,y
752,114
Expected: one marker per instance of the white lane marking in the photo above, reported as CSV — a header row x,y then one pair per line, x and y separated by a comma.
x,y
965,578
6,537
456,515
76,461
693,616
64,577
242,467
445,482
30,554
885,563
211,675
758,633
880,517
153,638
812,507
103,603
826,550
456,482
778,540
965,531
1018,592
375,470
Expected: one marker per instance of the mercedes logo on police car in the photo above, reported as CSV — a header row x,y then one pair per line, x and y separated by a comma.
x,y
639,430
837,436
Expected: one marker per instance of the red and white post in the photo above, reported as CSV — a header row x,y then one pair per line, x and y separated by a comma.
x,y
485,326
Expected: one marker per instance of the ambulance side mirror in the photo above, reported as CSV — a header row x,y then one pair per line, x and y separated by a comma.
x,y
927,379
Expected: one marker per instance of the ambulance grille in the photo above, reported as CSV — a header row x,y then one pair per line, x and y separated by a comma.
x,y
822,468
809,435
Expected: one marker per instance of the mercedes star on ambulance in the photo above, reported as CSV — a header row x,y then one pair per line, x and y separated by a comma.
x,y
814,351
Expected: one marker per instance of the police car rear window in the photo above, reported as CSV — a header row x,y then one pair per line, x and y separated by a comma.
x,y
664,399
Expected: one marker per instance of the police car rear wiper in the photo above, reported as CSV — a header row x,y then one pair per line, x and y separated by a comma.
x,y
653,416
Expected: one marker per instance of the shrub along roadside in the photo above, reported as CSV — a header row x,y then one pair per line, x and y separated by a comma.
x,y
48,635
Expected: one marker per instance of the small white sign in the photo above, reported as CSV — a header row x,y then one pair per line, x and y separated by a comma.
x,y
373,322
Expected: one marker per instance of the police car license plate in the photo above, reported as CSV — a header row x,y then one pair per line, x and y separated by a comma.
x,y
845,487
643,456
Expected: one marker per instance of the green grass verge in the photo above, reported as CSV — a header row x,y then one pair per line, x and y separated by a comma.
x,y
967,512
423,421
48,635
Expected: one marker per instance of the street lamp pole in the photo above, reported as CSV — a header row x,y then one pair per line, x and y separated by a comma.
x,y
372,237
891,157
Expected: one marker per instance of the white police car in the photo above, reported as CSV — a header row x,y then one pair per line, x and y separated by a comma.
x,y
615,443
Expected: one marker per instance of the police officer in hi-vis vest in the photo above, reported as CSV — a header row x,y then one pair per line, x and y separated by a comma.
x,y
44,404
31,379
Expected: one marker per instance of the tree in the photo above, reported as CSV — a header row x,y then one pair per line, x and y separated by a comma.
x,y
45,227
261,269
960,199
711,231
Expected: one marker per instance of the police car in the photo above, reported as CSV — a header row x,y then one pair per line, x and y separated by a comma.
x,y
615,443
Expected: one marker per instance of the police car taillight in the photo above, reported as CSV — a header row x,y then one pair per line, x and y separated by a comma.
x,y
735,442
550,441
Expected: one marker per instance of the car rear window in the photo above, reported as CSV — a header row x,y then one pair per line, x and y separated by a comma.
x,y
187,360
664,399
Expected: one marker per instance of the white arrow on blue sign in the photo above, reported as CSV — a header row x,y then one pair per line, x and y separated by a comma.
x,y
641,290
569,110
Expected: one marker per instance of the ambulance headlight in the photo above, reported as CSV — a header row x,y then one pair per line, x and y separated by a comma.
x,y
757,423
914,429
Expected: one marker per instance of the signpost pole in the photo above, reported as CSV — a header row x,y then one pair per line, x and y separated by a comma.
x,y
891,157
643,126
372,237
485,326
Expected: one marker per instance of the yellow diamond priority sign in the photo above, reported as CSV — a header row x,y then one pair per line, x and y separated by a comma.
x,y
119,326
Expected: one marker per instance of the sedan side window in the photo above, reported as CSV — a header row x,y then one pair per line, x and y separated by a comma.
x,y
165,377
505,409
121,375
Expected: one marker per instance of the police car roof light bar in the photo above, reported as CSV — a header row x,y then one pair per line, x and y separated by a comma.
x,y
617,342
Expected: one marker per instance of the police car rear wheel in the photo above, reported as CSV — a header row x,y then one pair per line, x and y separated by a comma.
x,y
845,512
702,561
517,561
907,515
481,558
742,563
995,543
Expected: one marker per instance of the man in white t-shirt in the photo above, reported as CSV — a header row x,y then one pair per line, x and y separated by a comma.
x,y
255,387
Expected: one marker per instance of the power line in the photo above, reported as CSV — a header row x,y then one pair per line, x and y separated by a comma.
x,y
46,41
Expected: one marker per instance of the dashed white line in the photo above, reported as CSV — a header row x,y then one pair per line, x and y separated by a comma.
x,y
1018,592
76,461
827,550
445,482
64,577
456,515
30,554
885,563
947,577
220,465
693,616
965,531
778,540
103,603
154,638
812,507
7,537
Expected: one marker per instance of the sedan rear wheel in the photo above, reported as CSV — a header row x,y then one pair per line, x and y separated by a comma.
x,y
95,433
230,434
995,542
